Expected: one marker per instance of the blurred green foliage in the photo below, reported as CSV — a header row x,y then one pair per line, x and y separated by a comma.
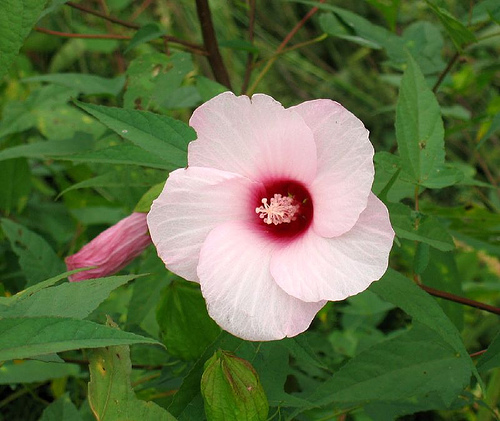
x,y
89,125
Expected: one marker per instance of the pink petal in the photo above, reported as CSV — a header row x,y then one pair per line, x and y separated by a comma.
x,y
255,137
240,293
112,249
314,268
345,166
192,203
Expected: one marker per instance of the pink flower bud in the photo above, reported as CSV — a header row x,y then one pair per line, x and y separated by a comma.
x,y
111,250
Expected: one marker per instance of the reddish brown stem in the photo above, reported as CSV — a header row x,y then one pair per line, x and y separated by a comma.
x,y
283,44
460,300
250,58
85,36
195,48
478,353
211,46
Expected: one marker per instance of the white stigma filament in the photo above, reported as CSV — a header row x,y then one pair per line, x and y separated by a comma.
x,y
280,210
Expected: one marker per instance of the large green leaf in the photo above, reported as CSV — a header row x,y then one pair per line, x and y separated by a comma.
x,y
111,396
419,127
24,337
37,259
17,17
185,326
161,135
71,299
428,359
419,361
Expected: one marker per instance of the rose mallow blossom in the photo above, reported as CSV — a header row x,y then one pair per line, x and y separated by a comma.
x,y
274,215
112,249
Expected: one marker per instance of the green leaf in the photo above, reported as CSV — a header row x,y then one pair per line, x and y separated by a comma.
x,y
232,390
31,371
17,17
425,43
36,257
83,83
491,358
419,127
146,33
111,396
458,33
70,299
61,410
124,154
161,135
15,184
185,326
402,292
49,148
144,204
421,361
24,337
429,231
116,179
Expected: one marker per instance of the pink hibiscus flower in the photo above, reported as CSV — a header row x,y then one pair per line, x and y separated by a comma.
x,y
112,249
274,215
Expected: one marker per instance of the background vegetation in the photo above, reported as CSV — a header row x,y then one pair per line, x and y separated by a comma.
x,y
70,166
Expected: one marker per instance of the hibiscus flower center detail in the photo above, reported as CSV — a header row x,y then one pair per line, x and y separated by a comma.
x,y
285,209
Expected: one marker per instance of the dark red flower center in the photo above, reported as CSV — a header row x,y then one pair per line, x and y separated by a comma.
x,y
284,209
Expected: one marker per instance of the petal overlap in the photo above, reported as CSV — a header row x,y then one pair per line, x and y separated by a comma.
x,y
315,268
240,293
192,203
345,166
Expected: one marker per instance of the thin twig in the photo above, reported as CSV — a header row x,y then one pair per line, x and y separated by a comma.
x,y
195,48
445,71
84,36
250,58
211,46
145,4
478,353
282,46
460,300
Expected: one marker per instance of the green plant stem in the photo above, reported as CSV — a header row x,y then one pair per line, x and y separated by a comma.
x,y
282,46
210,42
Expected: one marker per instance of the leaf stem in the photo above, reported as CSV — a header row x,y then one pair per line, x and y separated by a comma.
x,y
210,42
461,300
445,71
282,46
